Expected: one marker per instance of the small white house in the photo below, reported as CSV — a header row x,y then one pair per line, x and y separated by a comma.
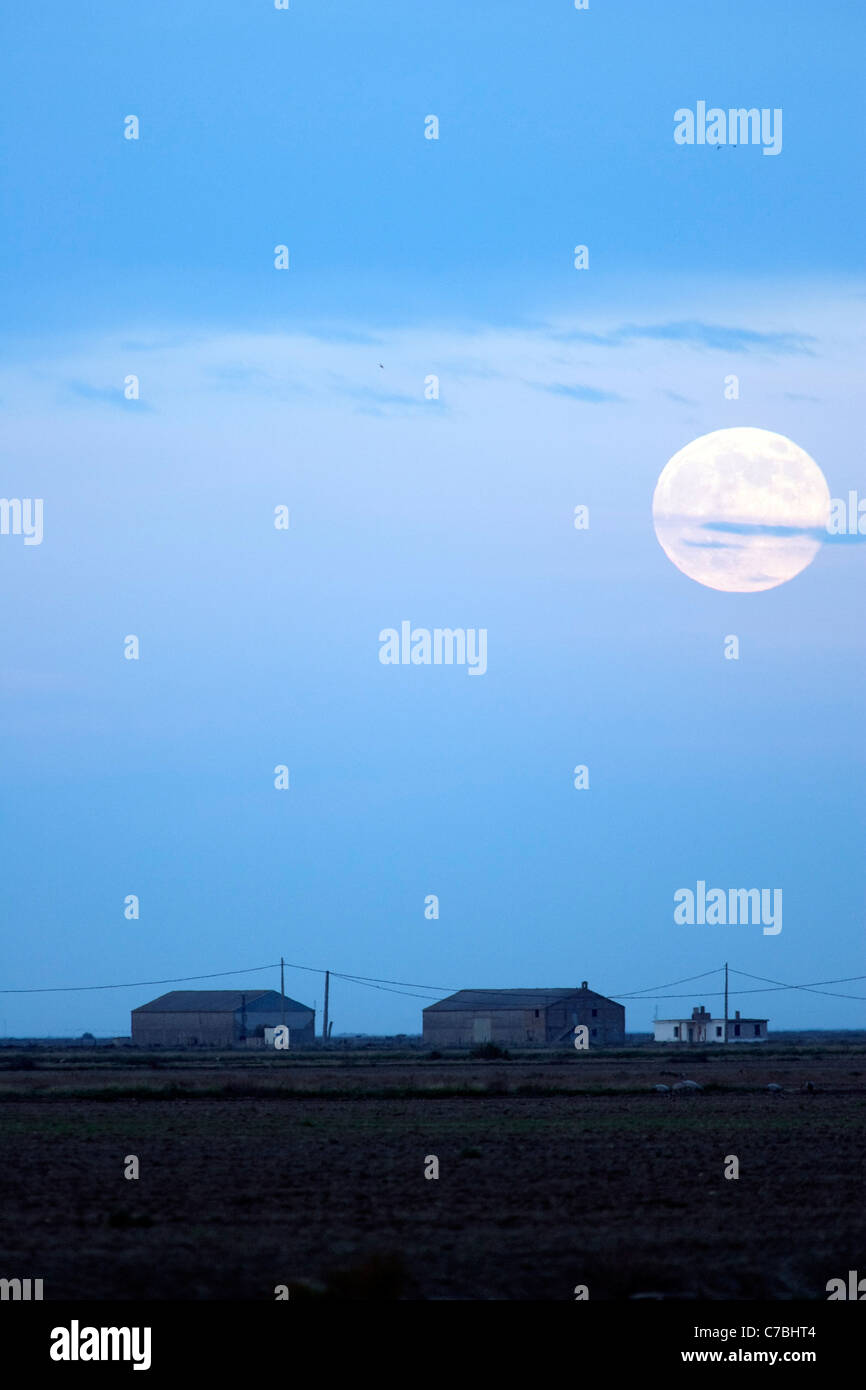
x,y
703,1028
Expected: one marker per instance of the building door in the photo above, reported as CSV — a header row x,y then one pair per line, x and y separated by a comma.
x,y
481,1030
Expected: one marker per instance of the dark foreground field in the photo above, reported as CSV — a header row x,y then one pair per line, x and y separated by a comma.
x,y
259,1170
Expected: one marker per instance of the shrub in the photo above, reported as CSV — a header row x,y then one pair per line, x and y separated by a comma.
x,y
489,1051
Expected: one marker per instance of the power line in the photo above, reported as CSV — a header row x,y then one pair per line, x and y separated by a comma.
x,y
413,984
830,994
408,994
139,984
670,984
404,987
376,982
719,993
370,981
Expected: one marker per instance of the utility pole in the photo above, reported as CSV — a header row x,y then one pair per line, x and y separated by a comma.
x,y
282,993
325,1020
726,1001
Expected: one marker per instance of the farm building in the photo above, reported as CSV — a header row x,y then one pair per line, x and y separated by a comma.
x,y
219,1018
702,1028
523,1016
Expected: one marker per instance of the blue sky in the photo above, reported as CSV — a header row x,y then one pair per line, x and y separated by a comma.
x,y
558,387
263,126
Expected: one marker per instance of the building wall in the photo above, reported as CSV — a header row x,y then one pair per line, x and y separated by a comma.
x,y
210,1029
671,1030
301,1026
747,1028
676,1030
663,1030
183,1029
520,1026
604,1019
466,1027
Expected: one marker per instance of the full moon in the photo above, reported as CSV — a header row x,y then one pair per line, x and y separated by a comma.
x,y
741,509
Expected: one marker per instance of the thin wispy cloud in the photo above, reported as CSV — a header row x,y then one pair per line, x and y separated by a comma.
x,y
376,401
692,332
751,528
590,394
713,335
107,395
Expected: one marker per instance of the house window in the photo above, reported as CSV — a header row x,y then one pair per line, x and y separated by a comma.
x,y
757,1030
595,1013
676,1030
536,1013
736,1030
718,1032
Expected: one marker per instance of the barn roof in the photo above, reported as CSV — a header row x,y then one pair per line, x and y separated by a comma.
x,y
218,1001
512,998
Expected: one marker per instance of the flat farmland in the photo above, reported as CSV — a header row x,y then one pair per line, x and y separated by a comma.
x,y
554,1171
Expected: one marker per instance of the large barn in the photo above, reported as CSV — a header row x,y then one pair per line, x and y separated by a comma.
x,y
522,1016
219,1018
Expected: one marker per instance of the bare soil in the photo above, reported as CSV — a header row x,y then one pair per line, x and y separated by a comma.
x,y
257,1171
